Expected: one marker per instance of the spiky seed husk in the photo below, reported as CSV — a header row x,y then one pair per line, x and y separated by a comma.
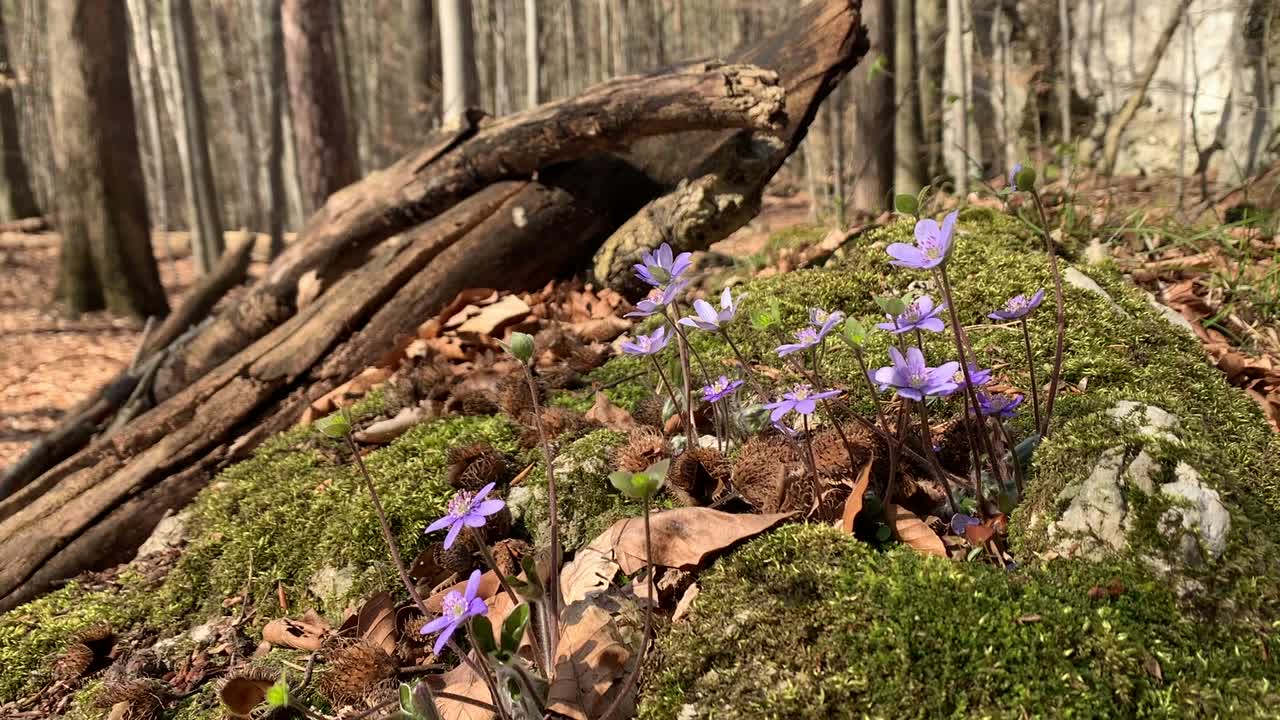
x,y
385,693
476,402
642,449
698,476
508,553
72,662
513,395
489,467
584,359
560,421
97,632
244,689
135,691
411,628
460,558
760,469
355,671
649,411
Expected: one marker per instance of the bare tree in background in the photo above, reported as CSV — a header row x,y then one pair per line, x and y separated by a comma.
x,y
16,198
872,147
908,137
931,29
956,130
102,212
424,72
145,52
204,213
1064,77
271,40
458,60
532,59
325,150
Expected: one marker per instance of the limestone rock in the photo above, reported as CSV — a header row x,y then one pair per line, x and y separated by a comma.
x,y
1153,422
1201,521
1077,279
1097,508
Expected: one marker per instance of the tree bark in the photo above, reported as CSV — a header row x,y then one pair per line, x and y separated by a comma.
x,y
457,60
325,151
872,149
908,136
423,71
271,40
102,213
16,198
204,213
931,28
955,133
532,58
144,49
455,204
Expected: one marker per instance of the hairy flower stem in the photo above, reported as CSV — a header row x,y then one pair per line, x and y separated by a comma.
x,y
489,560
675,401
871,388
1060,314
1031,368
893,457
1013,457
808,448
935,467
634,675
682,347
553,511
970,392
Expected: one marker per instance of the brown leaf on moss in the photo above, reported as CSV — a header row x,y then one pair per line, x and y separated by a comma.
x,y
464,682
590,663
683,538
853,505
913,532
376,621
305,634
604,412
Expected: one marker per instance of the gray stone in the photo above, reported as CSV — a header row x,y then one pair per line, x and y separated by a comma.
x,y
1141,472
1095,519
1200,521
1153,422
1077,279
329,582
1173,316
170,532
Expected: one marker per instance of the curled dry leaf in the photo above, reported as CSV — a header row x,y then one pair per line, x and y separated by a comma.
x,y
384,431
853,505
590,663
912,531
590,572
600,329
686,603
376,622
305,634
489,320
682,538
609,415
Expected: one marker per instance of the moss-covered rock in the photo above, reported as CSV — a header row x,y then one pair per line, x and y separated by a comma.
x,y
809,623
899,653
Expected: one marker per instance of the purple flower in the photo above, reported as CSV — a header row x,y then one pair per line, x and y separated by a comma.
x,y
785,431
921,314
662,266
707,318
802,399
1013,175
658,299
466,509
1018,307
720,389
648,344
1001,406
979,376
933,244
961,522
458,608
912,380
821,324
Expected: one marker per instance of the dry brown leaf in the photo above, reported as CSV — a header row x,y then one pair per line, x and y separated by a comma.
x,y
978,535
297,634
377,622
603,329
682,538
590,663
488,588
462,681
911,530
853,505
685,605
609,415
591,571
489,320
384,431
240,695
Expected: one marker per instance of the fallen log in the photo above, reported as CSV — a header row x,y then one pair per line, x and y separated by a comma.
x,y
389,252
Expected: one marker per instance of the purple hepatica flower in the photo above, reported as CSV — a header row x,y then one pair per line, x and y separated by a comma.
x,y
1000,406
662,266
658,299
806,337
720,389
961,522
979,376
1018,307
921,314
821,324
912,380
1013,175
785,431
458,608
466,509
648,344
933,244
707,318
820,318
802,399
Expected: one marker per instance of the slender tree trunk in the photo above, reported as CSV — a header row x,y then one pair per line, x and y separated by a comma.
x,y
16,198
102,214
607,70
458,60
326,157
873,114
271,41
422,64
502,104
835,119
908,140
956,132
204,214
618,36
532,59
931,28
237,67
144,48
1064,79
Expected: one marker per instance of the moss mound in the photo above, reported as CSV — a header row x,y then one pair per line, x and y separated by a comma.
x,y
809,623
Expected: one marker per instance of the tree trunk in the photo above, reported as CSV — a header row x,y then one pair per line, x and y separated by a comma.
x,y
204,213
908,140
1064,78
236,67
835,122
272,43
931,28
102,212
16,198
874,115
532,58
326,156
422,66
457,60
501,104
453,204
144,48
955,132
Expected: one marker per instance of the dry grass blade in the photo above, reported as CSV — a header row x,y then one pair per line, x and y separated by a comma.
x,y
853,505
912,531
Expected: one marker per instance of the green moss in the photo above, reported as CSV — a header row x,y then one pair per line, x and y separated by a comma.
x,y
588,503
809,623
620,379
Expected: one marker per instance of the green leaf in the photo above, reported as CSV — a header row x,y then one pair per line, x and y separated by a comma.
x,y
883,533
483,630
891,305
879,65
855,332
513,628
278,694
406,698
1026,449
335,426
906,204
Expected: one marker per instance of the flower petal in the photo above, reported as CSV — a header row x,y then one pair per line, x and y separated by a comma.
x,y
476,607
926,229
439,525
904,254
806,406
436,625
781,410
452,537
474,521
484,492
932,324
444,638
489,507
473,585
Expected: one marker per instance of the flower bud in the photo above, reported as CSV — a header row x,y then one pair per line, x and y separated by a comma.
x,y
1025,180
521,347
854,332
335,426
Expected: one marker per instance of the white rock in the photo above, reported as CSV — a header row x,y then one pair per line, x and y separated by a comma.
x,y
330,582
170,532
1141,472
1097,508
1205,523
1077,279
1153,422
1173,316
